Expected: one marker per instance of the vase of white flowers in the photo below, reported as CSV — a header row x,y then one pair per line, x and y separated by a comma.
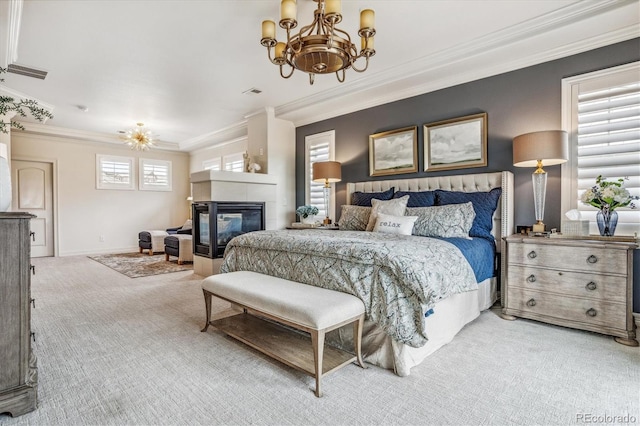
x,y
607,196
307,214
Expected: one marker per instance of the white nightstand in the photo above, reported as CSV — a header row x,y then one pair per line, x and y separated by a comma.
x,y
578,283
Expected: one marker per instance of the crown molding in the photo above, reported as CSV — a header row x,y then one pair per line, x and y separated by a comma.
x,y
313,108
84,135
217,137
7,91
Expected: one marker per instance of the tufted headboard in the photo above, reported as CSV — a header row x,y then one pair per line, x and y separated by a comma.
x,y
503,222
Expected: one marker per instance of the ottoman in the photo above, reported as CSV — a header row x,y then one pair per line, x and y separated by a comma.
x,y
178,245
152,241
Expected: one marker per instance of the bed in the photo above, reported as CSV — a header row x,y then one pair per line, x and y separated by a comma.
x,y
418,292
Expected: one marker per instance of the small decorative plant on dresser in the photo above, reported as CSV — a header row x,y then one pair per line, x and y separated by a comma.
x,y
578,283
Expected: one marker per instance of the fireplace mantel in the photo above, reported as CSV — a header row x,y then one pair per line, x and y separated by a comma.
x,y
224,176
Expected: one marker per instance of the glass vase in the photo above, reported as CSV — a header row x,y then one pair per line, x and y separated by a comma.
x,y
607,221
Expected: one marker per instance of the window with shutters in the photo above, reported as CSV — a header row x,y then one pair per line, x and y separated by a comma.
x,y
114,172
212,164
233,162
319,147
155,175
601,113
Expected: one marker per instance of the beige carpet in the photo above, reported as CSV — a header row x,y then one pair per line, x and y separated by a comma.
x,y
117,351
136,265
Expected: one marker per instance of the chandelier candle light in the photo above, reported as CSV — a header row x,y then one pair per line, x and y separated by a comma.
x,y
139,138
320,47
327,172
531,150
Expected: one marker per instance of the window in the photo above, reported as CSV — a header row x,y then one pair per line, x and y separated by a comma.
x,y
114,172
601,113
319,147
212,164
234,162
155,175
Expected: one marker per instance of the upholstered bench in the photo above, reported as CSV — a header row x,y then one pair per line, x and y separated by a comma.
x,y
152,241
313,310
178,245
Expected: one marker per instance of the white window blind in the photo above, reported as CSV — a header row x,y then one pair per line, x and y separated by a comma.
x,y
212,164
604,119
155,175
319,147
114,172
234,162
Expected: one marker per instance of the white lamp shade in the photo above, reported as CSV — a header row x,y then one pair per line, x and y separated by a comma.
x,y
550,146
327,171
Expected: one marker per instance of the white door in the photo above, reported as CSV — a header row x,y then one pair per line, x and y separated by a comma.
x,y
32,192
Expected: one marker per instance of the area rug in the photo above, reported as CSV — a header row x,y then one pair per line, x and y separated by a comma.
x,y
136,265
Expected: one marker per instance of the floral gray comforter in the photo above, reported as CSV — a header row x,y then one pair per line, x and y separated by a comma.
x,y
398,277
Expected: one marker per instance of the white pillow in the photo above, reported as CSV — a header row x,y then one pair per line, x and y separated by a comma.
x,y
394,224
394,207
451,220
187,224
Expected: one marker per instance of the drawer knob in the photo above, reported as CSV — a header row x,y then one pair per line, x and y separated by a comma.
x,y
591,286
592,259
531,278
592,312
531,302
532,254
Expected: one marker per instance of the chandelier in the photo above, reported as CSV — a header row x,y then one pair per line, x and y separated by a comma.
x,y
139,138
320,47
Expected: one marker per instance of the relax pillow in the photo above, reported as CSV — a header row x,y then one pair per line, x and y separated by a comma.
x,y
418,198
453,220
394,207
394,224
484,204
364,198
354,218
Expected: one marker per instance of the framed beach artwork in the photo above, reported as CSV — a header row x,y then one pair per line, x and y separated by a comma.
x,y
457,143
393,152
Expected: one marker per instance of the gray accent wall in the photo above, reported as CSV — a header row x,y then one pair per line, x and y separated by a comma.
x,y
517,102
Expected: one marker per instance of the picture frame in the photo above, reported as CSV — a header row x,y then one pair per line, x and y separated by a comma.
x,y
393,152
457,143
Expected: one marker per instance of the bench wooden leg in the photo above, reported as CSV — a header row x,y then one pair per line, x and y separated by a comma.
x,y
357,339
166,257
317,341
207,305
141,249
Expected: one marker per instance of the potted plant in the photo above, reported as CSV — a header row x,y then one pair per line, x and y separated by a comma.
x,y
307,214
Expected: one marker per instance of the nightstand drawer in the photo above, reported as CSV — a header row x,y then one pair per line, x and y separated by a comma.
x,y
592,286
595,312
583,259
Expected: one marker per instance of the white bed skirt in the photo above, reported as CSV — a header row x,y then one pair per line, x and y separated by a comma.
x,y
448,318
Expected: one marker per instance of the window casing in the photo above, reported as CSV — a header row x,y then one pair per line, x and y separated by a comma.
x,y
155,175
233,162
319,147
212,164
113,172
601,113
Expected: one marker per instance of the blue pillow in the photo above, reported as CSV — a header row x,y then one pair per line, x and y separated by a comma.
x,y
484,204
364,198
418,199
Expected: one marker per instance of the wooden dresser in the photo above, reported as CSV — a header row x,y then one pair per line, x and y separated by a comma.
x,y
578,283
18,371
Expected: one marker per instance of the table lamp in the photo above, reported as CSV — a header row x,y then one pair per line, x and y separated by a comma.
x,y
550,147
326,172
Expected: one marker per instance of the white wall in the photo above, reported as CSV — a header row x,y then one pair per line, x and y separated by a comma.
x,y
84,213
